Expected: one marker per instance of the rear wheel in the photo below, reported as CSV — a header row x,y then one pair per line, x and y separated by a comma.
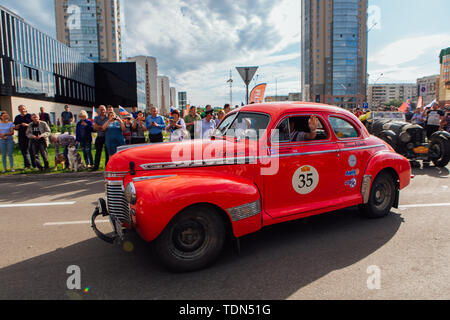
x,y
192,240
382,197
440,148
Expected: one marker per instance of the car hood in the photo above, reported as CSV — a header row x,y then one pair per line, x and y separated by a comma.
x,y
169,155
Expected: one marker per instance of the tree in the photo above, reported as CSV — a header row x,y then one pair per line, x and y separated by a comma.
x,y
395,102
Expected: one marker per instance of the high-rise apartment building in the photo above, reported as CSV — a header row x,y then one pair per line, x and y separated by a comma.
x,y
182,100
444,79
93,27
150,66
173,97
428,88
380,94
163,95
334,51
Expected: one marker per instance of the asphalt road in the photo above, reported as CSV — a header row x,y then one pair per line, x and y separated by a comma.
x,y
323,257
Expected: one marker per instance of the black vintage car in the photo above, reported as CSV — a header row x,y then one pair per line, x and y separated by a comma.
x,y
409,139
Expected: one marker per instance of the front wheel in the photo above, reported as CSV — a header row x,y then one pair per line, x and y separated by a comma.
x,y
440,149
192,240
382,197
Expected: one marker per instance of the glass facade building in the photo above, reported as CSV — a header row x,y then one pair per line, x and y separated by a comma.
x,y
82,27
91,26
334,51
141,86
345,47
34,65
38,70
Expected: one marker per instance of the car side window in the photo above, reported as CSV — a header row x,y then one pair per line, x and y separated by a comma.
x,y
343,129
296,128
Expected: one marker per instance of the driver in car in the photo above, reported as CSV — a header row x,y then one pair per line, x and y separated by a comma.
x,y
300,135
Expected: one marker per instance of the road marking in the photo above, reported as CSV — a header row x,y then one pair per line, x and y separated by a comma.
x,y
37,204
427,205
49,224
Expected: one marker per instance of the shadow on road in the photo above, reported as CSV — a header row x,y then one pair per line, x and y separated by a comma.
x,y
55,190
274,264
431,171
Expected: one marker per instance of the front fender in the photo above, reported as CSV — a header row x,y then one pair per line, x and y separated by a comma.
x,y
389,135
391,161
159,200
441,134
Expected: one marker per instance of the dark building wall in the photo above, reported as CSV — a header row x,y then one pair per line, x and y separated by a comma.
x,y
115,84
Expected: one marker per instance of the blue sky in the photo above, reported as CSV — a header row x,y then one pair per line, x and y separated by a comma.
x,y
198,42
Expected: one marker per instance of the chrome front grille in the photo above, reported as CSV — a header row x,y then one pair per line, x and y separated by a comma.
x,y
118,207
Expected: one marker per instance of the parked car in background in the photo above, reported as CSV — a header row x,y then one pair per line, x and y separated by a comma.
x,y
409,139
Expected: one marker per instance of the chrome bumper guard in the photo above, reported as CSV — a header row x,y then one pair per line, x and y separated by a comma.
x,y
117,236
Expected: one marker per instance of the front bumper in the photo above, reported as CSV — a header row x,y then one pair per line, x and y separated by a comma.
x,y
118,231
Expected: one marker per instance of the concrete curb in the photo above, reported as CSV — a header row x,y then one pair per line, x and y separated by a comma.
x,y
51,176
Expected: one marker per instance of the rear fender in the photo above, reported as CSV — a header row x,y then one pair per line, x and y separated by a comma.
x,y
160,200
390,161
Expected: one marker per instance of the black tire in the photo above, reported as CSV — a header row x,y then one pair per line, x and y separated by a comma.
x,y
192,240
382,197
441,147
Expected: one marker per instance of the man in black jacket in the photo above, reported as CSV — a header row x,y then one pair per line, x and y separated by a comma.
x,y
21,122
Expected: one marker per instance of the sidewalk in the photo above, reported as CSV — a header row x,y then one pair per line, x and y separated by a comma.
x,y
51,176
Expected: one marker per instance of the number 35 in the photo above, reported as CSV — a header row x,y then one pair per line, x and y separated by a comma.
x,y
306,180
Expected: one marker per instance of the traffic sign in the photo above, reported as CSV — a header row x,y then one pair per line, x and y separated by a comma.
x,y
247,74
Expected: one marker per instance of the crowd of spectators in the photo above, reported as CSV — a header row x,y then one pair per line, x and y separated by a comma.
x,y
109,129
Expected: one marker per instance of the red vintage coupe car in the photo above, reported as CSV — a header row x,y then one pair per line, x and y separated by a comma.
x,y
265,164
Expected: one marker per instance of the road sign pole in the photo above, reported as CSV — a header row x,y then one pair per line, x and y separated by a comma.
x,y
246,85
247,74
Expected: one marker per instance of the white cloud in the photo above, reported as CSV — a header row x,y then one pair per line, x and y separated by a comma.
x,y
410,49
197,42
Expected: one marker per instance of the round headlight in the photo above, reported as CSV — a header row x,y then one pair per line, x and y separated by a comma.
x,y
405,137
130,193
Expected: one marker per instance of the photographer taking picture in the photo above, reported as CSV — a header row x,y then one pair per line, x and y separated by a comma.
x,y
114,129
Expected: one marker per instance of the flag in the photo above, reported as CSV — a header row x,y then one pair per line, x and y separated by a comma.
x,y
431,104
257,94
406,106
123,112
94,113
420,103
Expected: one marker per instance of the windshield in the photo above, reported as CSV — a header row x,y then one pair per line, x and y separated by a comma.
x,y
244,125
388,115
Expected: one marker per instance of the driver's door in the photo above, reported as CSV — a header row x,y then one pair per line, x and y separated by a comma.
x,y
307,175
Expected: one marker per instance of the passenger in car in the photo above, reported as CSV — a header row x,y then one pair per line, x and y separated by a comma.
x,y
302,129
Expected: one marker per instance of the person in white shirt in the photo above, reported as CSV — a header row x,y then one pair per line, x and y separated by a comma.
x,y
176,127
208,125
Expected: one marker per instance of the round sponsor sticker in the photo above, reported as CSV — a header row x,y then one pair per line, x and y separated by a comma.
x,y
352,161
305,180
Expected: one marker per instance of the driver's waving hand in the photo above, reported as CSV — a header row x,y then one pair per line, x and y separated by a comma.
x,y
297,135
